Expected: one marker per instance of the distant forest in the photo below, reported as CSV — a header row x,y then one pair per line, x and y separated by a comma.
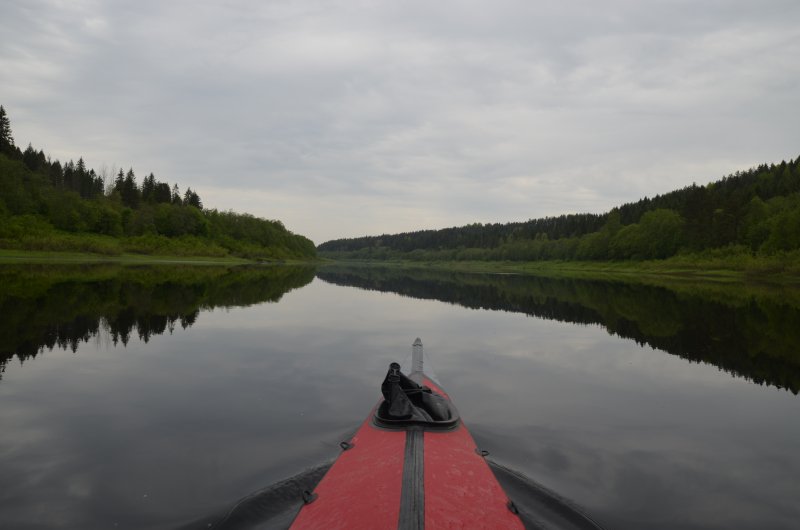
x,y
47,205
755,211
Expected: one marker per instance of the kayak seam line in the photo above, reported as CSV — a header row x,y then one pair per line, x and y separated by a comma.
x,y
412,493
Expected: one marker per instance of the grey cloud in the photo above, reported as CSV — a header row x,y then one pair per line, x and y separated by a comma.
x,y
462,111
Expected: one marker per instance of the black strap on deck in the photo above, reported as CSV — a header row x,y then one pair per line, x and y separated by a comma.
x,y
412,495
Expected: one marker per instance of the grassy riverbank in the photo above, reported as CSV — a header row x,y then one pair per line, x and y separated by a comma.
x,y
43,257
783,269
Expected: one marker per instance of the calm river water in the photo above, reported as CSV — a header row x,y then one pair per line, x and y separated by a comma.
x,y
142,397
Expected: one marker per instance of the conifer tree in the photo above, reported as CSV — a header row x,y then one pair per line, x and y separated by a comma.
x,y
6,139
190,198
95,184
31,158
176,195
162,193
82,181
149,188
119,182
130,191
56,174
69,175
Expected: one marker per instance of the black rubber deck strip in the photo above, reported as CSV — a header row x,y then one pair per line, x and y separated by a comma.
x,y
412,495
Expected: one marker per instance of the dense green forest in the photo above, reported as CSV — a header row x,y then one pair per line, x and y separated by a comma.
x,y
753,212
45,205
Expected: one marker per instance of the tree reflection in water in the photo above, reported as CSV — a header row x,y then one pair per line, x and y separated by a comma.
x,y
50,306
750,331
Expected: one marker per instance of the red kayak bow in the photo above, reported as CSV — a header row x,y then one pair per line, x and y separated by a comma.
x,y
411,465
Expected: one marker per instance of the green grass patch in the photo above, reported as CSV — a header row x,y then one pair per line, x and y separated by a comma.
x,y
25,256
783,269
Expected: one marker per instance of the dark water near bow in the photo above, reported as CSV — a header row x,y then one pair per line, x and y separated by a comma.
x,y
140,397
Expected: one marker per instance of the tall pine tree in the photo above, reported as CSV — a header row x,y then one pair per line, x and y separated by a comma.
x,y
6,139
190,198
176,195
130,191
119,181
149,188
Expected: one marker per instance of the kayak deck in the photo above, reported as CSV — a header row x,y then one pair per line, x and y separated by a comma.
x,y
409,479
405,468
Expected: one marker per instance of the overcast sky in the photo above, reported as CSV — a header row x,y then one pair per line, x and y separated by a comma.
x,y
357,117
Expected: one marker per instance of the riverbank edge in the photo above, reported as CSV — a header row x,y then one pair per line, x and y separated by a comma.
x,y
639,271
713,271
43,257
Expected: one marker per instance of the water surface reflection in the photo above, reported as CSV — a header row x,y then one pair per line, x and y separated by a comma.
x,y
276,367
751,331
45,306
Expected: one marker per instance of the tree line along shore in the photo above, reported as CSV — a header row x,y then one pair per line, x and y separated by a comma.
x,y
747,220
49,206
